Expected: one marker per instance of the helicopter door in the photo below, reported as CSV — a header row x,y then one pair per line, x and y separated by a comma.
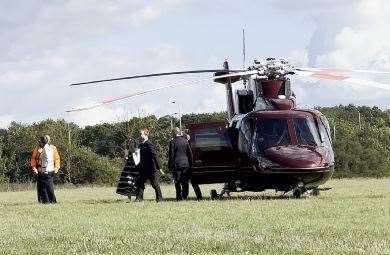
x,y
212,149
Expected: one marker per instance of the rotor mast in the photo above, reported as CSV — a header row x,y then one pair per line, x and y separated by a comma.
x,y
229,93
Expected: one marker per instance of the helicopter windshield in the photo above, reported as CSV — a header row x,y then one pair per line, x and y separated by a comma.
x,y
306,131
270,133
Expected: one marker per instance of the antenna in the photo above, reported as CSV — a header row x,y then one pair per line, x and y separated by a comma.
x,y
243,54
243,49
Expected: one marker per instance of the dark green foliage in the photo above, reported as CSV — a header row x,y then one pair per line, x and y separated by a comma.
x,y
360,149
203,117
95,153
89,167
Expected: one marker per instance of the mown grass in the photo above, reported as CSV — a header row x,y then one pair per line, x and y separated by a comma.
x,y
352,218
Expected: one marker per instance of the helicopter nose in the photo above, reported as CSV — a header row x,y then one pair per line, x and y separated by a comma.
x,y
295,156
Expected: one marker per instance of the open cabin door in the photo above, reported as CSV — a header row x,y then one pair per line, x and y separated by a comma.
x,y
215,160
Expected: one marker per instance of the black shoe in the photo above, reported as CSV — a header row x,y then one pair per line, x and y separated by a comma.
x,y
138,200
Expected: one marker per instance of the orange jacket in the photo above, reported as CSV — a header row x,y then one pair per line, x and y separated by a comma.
x,y
35,161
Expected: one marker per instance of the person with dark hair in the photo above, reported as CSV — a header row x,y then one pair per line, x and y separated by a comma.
x,y
45,162
149,167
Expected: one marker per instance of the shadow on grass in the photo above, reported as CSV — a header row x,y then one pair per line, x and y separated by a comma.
x,y
101,201
235,197
19,204
191,199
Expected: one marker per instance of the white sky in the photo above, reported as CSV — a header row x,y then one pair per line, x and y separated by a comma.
x,y
46,45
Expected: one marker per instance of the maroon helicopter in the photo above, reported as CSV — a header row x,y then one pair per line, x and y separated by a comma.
x,y
267,142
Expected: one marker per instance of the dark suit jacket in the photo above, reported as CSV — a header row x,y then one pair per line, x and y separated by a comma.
x,y
180,154
149,162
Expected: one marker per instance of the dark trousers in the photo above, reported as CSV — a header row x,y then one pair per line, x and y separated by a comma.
x,y
196,188
45,188
181,177
154,179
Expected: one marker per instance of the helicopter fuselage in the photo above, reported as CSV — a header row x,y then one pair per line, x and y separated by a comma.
x,y
277,149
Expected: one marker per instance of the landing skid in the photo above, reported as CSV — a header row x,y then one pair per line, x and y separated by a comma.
x,y
297,192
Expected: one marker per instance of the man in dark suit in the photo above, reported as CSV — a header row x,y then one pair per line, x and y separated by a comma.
x,y
179,162
149,167
194,184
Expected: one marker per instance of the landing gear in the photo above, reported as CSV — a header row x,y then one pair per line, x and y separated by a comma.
x,y
315,192
213,194
297,192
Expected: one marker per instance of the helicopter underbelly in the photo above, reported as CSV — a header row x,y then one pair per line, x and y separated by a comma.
x,y
276,178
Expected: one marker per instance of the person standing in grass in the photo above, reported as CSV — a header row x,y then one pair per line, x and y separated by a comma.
x,y
195,185
149,167
179,162
129,178
45,162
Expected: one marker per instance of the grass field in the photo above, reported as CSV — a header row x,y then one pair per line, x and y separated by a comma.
x,y
352,218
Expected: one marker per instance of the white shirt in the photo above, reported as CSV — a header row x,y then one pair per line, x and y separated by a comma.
x,y
47,159
136,157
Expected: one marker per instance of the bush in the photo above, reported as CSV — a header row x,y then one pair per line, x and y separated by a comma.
x,y
89,167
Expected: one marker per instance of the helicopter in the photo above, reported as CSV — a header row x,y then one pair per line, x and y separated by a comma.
x,y
267,142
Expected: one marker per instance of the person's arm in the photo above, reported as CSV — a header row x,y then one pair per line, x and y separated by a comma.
x,y
33,160
57,160
189,154
154,156
171,156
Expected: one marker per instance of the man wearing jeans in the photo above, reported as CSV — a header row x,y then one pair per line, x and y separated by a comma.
x,y
45,161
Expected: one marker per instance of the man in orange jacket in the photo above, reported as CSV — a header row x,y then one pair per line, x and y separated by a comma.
x,y
45,161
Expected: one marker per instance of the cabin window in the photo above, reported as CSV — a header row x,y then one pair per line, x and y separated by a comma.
x,y
271,133
210,137
306,131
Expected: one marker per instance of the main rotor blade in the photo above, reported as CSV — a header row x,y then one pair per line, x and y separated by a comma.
x,y
139,93
343,70
114,99
154,75
332,75
236,75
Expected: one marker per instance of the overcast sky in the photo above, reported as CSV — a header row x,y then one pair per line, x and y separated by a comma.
x,y
46,45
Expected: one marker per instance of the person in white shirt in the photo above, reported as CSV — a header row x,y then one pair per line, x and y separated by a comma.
x,y
45,161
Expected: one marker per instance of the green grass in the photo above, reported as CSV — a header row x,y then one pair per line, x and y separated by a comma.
x,y
352,218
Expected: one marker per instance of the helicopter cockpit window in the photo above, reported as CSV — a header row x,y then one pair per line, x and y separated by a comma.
x,y
325,132
306,131
210,137
270,133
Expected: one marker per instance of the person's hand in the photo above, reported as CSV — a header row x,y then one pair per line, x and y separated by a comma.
x,y
56,170
161,171
35,170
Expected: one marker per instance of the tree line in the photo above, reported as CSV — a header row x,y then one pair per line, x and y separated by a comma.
x,y
94,154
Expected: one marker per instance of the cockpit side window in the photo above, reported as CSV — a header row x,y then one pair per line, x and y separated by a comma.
x,y
325,131
270,133
306,131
